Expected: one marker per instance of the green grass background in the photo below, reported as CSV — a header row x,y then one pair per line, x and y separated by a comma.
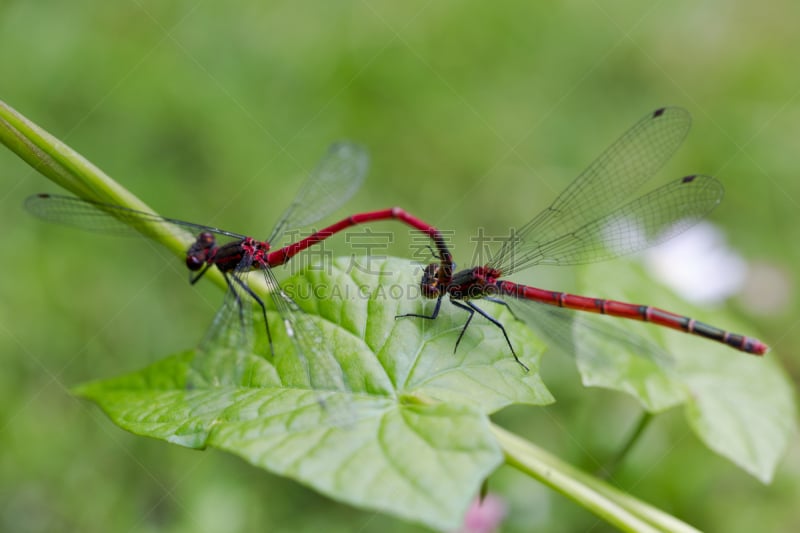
x,y
476,114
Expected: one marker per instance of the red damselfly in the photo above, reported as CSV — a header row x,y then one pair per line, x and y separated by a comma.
x,y
334,180
592,221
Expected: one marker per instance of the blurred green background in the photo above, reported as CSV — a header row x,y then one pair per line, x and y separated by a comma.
x,y
475,114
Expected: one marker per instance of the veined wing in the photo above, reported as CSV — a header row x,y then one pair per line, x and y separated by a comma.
x,y
647,221
335,179
110,218
605,185
607,354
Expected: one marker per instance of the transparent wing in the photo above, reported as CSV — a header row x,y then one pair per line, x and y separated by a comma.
x,y
221,359
335,179
110,218
649,220
558,326
607,354
235,355
235,352
606,184
322,371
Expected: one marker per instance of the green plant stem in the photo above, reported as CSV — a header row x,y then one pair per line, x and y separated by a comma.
x,y
67,168
612,464
612,505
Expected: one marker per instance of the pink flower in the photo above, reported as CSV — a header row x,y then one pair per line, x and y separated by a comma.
x,y
484,516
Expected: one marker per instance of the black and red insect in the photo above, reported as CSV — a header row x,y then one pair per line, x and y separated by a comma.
x,y
334,180
593,220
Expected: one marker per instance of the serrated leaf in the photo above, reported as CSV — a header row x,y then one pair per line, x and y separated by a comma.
x,y
410,436
741,406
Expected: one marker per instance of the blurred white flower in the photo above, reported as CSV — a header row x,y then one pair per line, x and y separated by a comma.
x,y
698,265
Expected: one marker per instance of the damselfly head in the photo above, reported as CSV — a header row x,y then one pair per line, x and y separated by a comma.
x,y
430,281
199,251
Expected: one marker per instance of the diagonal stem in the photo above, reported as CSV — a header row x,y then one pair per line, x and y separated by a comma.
x,y
612,505
68,169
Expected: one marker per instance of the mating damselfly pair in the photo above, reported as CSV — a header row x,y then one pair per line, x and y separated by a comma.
x,y
597,217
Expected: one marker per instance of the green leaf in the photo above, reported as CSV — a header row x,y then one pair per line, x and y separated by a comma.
x,y
741,406
411,436
608,357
